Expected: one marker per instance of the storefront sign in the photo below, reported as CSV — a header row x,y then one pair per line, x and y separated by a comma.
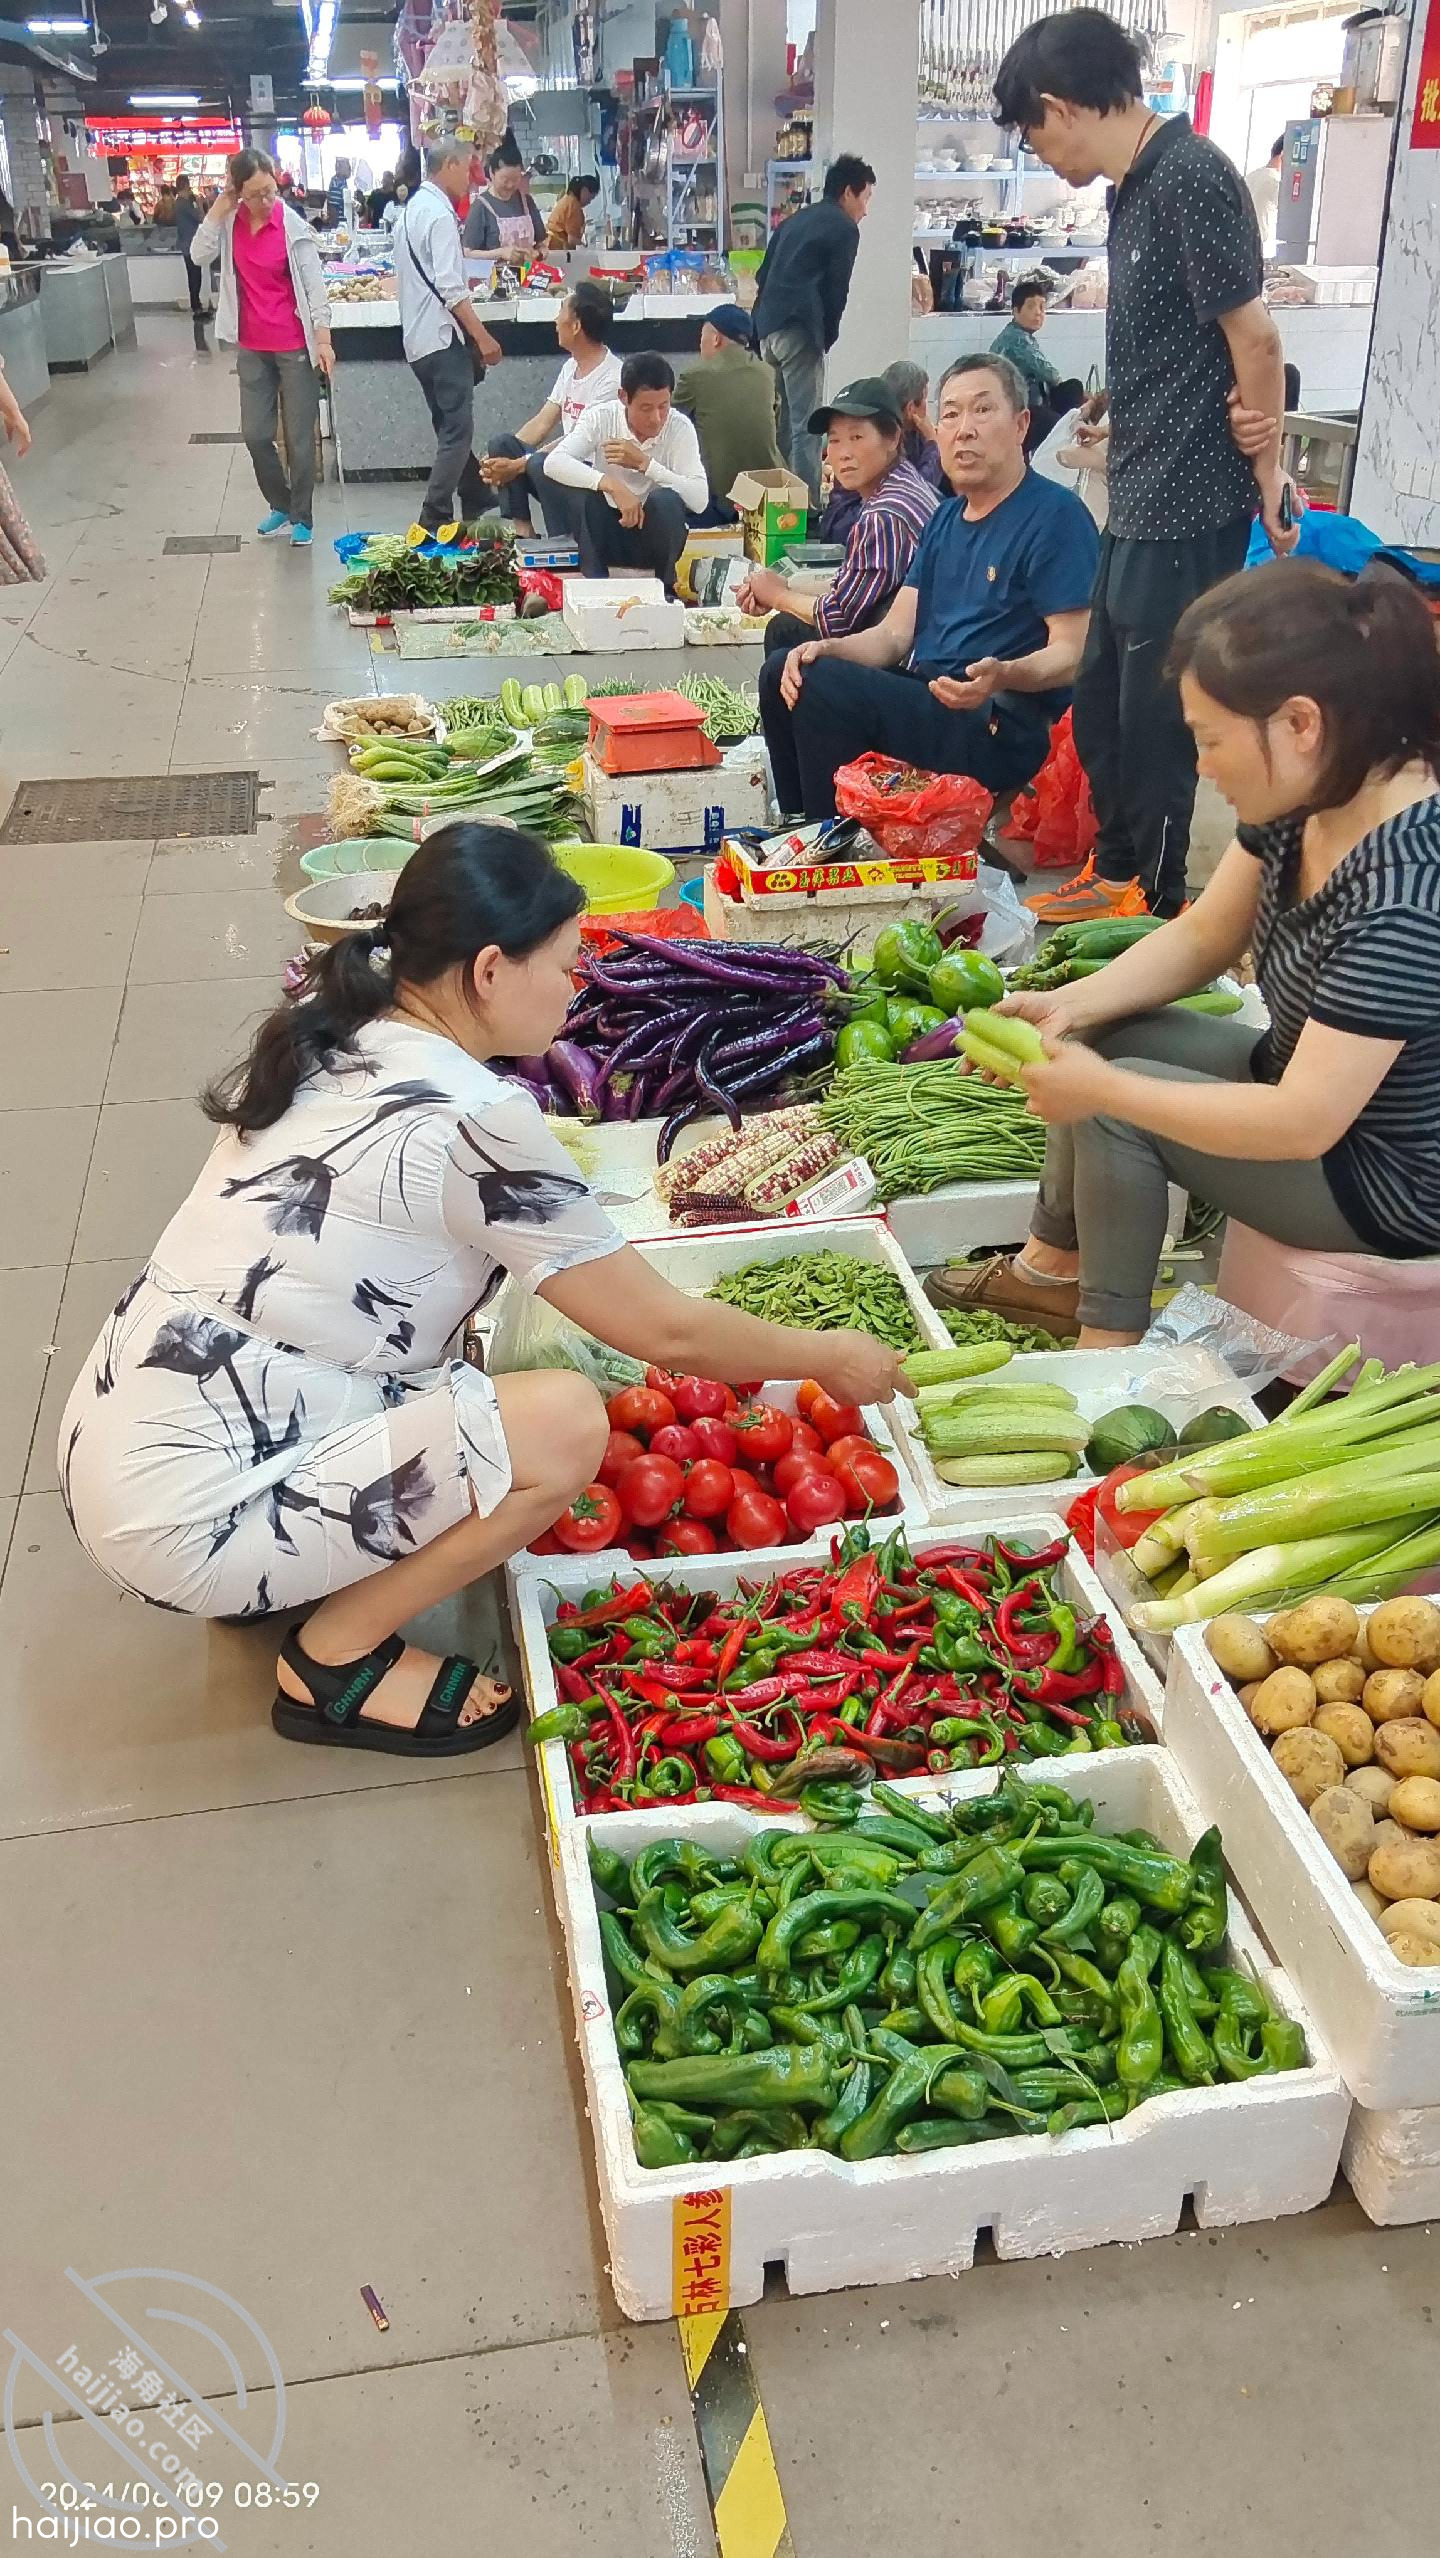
x,y
1425,131
262,93
153,133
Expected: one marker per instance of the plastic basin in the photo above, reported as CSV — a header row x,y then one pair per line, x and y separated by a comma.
x,y
618,879
357,853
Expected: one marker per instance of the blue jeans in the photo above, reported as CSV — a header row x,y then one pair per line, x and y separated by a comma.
x,y
847,710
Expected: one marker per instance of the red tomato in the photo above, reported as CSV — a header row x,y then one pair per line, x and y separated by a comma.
x,y
754,1520
677,1442
744,1480
686,1536
548,1544
764,1434
841,1448
640,1408
699,1399
649,1489
814,1501
747,1394
660,1381
803,1434
1126,1527
806,1394
716,1439
796,1462
622,1449
590,1522
833,1420
869,1479
639,1548
709,1489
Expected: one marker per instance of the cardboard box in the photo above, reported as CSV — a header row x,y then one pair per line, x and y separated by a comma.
x,y
675,812
869,869
707,542
621,613
775,511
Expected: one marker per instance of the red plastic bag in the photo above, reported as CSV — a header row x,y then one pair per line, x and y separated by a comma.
x,y
1057,814
544,583
912,815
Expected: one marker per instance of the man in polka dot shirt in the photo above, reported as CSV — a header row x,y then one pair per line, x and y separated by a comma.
x,y
1188,341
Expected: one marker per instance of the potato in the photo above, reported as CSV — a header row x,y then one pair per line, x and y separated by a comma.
x,y
1413,1918
1418,1950
1410,1747
1360,1651
1309,1763
1410,1871
1415,1803
1404,1634
1238,1647
1282,1702
1351,1730
1370,1900
1347,1827
1375,1785
1388,1833
1318,1630
1339,1682
1390,1693
1430,1698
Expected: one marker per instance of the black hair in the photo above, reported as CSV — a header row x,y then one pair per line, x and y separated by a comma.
x,y
467,887
1277,146
1083,56
585,179
1362,649
1027,289
645,373
1009,376
594,310
847,176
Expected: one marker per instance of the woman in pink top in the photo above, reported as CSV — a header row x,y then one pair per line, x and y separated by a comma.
x,y
274,308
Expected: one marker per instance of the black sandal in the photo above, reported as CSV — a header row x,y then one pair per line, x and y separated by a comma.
x,y
340,1696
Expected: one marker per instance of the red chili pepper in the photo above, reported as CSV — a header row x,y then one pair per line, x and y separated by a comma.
x,y
827,1700
856,1591
964,1588
759,1693
1048,1555
1060,1687
769,1747
1065,1713
637,1601
1020,1645
648,1689
894,1660
687,1731
622,1748
825,1665
733,1646
1080,1520
912,1608
750,1796
573,1688
1112,1681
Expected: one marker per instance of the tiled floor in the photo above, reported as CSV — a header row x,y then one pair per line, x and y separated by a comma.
x,y
291,2027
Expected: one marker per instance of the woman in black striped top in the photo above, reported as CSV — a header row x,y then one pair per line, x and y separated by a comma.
x,y
1315,706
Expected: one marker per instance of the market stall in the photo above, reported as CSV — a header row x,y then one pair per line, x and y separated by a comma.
x,y
85,309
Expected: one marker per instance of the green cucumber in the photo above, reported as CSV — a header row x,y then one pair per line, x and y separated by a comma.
x,y
533,704
553,696
512,703
576,692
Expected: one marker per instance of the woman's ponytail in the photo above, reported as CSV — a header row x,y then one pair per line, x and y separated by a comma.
x,y
469,888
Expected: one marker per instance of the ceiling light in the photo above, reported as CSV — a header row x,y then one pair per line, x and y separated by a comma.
x,y
164,98
192,17
58,26
386,83
158,14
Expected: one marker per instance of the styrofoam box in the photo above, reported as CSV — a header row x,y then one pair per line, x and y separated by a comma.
x,y
943,1225
621,613
1380,2018
1100,1380
695,1262
1248,2152
676,812
1392,2163
537,1585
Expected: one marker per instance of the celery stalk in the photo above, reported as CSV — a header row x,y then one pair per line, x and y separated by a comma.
x,y
1269,1574
1326,1382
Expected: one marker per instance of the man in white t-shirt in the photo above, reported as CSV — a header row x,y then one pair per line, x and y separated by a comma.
x,y
515,464
639,463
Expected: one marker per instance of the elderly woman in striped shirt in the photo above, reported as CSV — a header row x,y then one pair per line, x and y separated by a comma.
x,y
864,445
1315,706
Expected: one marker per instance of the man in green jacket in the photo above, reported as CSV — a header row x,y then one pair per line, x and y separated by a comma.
x,y
731,397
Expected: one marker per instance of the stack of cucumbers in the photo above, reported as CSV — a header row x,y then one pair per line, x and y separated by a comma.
x,y
431,781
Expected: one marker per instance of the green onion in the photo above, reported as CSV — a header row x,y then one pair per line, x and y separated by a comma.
x,y
1377,1486
1270,1574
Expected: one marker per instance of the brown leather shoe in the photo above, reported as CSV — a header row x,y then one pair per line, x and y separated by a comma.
x,y
997,1286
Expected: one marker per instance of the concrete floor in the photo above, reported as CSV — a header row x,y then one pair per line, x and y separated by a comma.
x,y
289,2024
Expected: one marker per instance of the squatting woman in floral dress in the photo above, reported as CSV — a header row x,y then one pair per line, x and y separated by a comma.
x,y
274,1414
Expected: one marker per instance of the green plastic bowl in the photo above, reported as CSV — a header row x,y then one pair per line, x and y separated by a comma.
x,y
618,879
357,853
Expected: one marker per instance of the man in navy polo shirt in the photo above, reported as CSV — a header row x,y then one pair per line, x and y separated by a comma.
x,y
973,662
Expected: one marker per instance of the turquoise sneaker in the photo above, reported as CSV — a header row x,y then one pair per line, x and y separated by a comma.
x,y
301,537
274,522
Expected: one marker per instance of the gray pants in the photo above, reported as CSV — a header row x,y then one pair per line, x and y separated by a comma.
x,y
563,508
1105,1183
447,379
798,365
290,385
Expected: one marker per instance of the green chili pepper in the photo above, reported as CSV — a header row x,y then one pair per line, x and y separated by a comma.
x,y
789,1925
988,1878
1202,1999
728,1941
961,2088
1158,1881
1088,1887
1067,1652
830,1803
913,2139
1283,2043
801,2077
1107,2105
823,1943
659,2143
975,1967
670,1860
697,2127
1207,1920
1002,2009
726,1759
933,1824
1184,2038
912,2022
558,1723
854,1975
1113,1929
718,1991
879,1829
1141,2048
898,1978
609,1871
650,2018
821,2031
567,1642
955,1854
1046,1899
902,2095
1007,1926
620,1954
849,2106
1084,1975
932,1987
1107,1734
838,1851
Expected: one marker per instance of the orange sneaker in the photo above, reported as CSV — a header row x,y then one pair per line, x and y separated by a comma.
x,y
1087,897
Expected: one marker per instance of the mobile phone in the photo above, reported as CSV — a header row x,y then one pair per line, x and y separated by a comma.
x,y
1287,507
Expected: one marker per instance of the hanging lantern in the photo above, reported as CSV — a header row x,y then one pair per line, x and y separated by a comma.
x,y
316,119
372,105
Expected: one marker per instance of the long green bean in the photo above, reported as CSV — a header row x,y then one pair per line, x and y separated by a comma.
x,y
919,1126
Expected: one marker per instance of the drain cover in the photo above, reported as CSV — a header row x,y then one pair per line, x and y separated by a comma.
x,y
184,545
141,809
232,435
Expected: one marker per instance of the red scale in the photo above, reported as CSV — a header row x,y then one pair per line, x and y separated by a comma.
x,y
650,733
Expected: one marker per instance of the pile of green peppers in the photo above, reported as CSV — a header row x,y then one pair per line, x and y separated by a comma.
x,y
916,1980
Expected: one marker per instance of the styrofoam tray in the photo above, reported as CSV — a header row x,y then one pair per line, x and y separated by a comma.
x,y
1392,2163
1380,2017
944,1225
537,1584
694,1262
1100,1380
1248,2152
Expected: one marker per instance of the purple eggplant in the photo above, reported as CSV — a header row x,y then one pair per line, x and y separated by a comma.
x,y
678,1119
813,1053
707,1086
577,1073
788,1032
934,1044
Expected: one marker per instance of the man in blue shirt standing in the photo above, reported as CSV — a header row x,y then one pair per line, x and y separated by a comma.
x,y
974,660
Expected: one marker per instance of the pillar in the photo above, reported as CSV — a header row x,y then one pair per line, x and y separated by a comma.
x,y
867,100
18,107
1397,475
753,35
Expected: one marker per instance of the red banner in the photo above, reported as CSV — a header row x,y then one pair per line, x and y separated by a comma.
x,y
1425,131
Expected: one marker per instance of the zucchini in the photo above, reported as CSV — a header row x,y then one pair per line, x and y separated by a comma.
x,y
576,692
512,703
554,698
533,704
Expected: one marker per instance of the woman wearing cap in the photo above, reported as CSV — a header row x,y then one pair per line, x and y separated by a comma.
x,y
864,446
730,396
